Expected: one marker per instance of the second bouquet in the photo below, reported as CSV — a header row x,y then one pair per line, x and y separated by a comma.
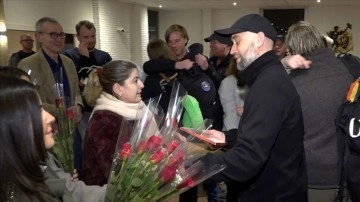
x,y
157,163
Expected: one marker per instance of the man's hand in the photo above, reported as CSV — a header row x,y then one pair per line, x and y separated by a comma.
x,y
83,48
214,134
295,62
202,61
239,111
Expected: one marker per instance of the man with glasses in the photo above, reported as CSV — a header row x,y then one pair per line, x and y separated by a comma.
x,y
48,67
27,43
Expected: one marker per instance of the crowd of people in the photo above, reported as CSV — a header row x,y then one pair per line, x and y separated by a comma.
x,y
266,92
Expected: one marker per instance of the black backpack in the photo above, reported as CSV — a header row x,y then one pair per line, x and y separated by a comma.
x,y
200,86
348,118
348,123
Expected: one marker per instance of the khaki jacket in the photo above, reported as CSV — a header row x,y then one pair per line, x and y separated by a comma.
x,y
41,71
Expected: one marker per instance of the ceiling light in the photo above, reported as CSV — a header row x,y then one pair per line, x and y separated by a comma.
x,y
234,3
318,1
160,6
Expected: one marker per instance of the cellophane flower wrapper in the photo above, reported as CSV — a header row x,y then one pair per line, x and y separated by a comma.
x,y
157,163
64,133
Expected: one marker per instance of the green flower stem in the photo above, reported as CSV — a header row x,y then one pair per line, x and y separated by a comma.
x,y
130,186
154,186
164,195
63,149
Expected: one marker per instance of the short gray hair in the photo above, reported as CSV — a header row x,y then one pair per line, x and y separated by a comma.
x,y
41,21
303,38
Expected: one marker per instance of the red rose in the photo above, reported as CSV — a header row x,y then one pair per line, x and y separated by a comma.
x,y
70,113
59,102
187,183
157,157
153,143
177,159
168,173
141,147
125,151
172,146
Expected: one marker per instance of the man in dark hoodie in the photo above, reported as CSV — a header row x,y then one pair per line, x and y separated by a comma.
x,y
265,160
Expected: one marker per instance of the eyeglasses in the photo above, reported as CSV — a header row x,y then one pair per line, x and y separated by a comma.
x,y
28,40
55,35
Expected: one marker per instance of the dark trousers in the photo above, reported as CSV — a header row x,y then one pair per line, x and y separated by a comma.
x,y
78,152
212,189
190,195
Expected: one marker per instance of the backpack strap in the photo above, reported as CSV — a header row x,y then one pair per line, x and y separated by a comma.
x,y
166,79
352,64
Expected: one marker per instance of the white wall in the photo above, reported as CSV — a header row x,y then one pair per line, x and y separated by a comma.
x,y
106,15
112,15
131,44
22,14
190,19
324,18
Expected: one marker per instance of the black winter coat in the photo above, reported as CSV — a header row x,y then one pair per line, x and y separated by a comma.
x,y
267,158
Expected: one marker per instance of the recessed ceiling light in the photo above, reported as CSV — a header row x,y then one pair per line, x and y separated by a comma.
x,y
160,6
318,1
234,3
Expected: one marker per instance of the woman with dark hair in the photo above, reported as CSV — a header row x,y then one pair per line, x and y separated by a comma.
x,y
28,171
14,72
22,146
116,91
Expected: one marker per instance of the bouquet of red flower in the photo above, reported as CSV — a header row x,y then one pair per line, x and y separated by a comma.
x,y
64,134
155,165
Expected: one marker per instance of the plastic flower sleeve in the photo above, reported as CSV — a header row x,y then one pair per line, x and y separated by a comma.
x,y
156,164
131,146
148,120
175,108
64,135
186,179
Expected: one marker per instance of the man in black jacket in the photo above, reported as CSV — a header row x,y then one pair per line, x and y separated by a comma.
x,y
265,160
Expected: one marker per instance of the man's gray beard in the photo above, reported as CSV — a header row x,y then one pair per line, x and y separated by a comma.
x,y
250,57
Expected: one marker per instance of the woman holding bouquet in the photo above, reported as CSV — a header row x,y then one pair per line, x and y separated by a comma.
x,y
29,168
116,90
22,145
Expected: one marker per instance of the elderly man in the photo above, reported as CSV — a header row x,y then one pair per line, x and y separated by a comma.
x,y
49,67
27,44
265,160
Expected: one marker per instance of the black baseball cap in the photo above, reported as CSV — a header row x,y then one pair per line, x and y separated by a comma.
x,y
252,23
280,37
220,38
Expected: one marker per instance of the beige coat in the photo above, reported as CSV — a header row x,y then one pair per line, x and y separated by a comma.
x,y
41,71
